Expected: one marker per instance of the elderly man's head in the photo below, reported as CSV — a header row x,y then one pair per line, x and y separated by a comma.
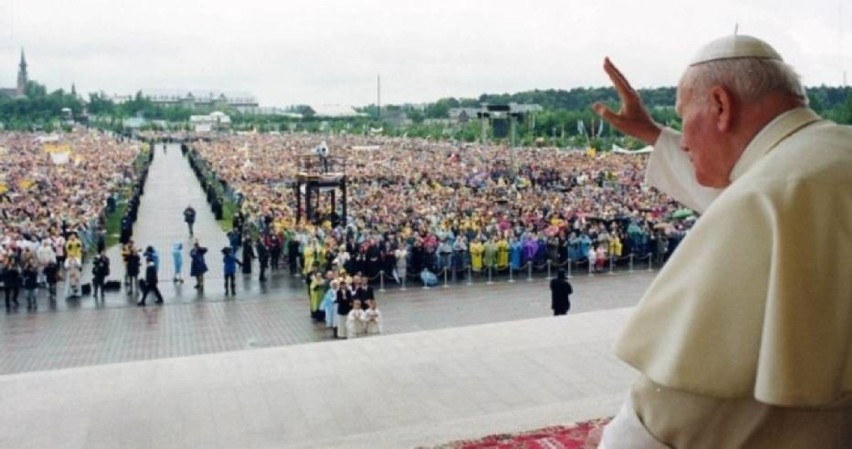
x,y
732,90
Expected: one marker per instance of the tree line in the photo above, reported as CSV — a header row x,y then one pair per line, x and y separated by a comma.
x,y
556,123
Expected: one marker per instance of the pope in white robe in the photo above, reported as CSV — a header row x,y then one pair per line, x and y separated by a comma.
x,y
744,339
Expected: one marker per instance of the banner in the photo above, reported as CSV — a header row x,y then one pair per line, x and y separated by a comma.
x,y
60,158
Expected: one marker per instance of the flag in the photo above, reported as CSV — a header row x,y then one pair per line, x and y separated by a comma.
x,y
601,128
581,128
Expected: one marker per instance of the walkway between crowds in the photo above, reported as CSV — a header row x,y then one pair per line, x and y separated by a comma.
x,y
171,187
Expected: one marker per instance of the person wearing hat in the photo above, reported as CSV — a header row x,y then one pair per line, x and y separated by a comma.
x,y
560,291
743,339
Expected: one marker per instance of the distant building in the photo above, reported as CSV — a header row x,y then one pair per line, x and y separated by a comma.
x,y
193,99
212,122
270,111
20,90
463,115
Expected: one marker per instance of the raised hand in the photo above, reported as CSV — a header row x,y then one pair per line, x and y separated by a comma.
x,y
632,118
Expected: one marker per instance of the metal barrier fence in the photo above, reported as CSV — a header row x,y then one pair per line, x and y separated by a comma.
x,y
528,272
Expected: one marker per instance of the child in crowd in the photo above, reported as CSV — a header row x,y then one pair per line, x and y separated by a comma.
x,y
373,318
177,258
355,321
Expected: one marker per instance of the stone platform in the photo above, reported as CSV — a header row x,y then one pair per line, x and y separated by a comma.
x,y
391,391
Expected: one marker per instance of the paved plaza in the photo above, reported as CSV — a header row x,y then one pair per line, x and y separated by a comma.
x,y
206,370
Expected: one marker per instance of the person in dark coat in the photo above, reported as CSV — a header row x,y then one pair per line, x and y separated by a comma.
x,y
560,290
30,276
133,262
248,255
363,290
100,271
151,281
197,265
262,258
275,247
11,282
51,276
189,218
293,255
345,297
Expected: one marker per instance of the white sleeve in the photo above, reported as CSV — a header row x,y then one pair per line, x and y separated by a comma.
x,y
670,170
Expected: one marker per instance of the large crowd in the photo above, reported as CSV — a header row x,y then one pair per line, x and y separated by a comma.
x,y
417,205
55,191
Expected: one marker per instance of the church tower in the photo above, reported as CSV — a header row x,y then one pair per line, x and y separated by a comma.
x,y
22,76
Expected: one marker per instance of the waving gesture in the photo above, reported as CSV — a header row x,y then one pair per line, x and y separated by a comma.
x,y
632,118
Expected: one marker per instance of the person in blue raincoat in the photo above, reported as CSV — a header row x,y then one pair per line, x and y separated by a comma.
x,y
515,253
177,258
197,265
327,305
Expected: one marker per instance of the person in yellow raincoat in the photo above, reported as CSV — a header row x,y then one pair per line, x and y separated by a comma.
x,y
477,249
309,257
615,246
321,255
318,285
502,253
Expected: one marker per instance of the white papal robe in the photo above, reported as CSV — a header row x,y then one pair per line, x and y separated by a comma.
x,y
744,339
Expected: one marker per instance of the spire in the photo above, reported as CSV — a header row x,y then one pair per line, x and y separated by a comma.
x,y
22,76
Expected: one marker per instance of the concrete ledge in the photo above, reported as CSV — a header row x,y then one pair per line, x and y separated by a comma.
x,y
392,391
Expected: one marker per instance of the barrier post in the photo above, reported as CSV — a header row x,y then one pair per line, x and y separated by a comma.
x,y
469,275
548,269
650,262
529,271
511,281
569,268
403,282
298,268
631,262
445,279
611,264
489,276
591,267
382,281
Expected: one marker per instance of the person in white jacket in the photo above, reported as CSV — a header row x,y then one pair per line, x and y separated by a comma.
x,y
372,318
743,338
355,321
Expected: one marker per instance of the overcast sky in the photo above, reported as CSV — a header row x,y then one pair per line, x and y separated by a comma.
x,y
330,51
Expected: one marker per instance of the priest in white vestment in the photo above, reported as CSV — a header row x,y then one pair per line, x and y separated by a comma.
x,y
744,339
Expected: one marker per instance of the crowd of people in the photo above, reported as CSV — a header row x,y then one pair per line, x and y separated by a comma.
x,y
55,192
417,205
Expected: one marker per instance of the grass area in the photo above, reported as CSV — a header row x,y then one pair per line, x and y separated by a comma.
x,y
113,224
228,209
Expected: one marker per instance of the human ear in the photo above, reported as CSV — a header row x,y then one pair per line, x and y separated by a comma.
x,y
721,104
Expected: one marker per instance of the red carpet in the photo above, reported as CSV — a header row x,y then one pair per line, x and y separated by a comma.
x,y
560,437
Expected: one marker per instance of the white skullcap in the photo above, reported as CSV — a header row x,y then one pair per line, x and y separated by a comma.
x,y
733,47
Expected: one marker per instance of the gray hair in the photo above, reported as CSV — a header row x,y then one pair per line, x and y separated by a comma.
x,y
748,78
